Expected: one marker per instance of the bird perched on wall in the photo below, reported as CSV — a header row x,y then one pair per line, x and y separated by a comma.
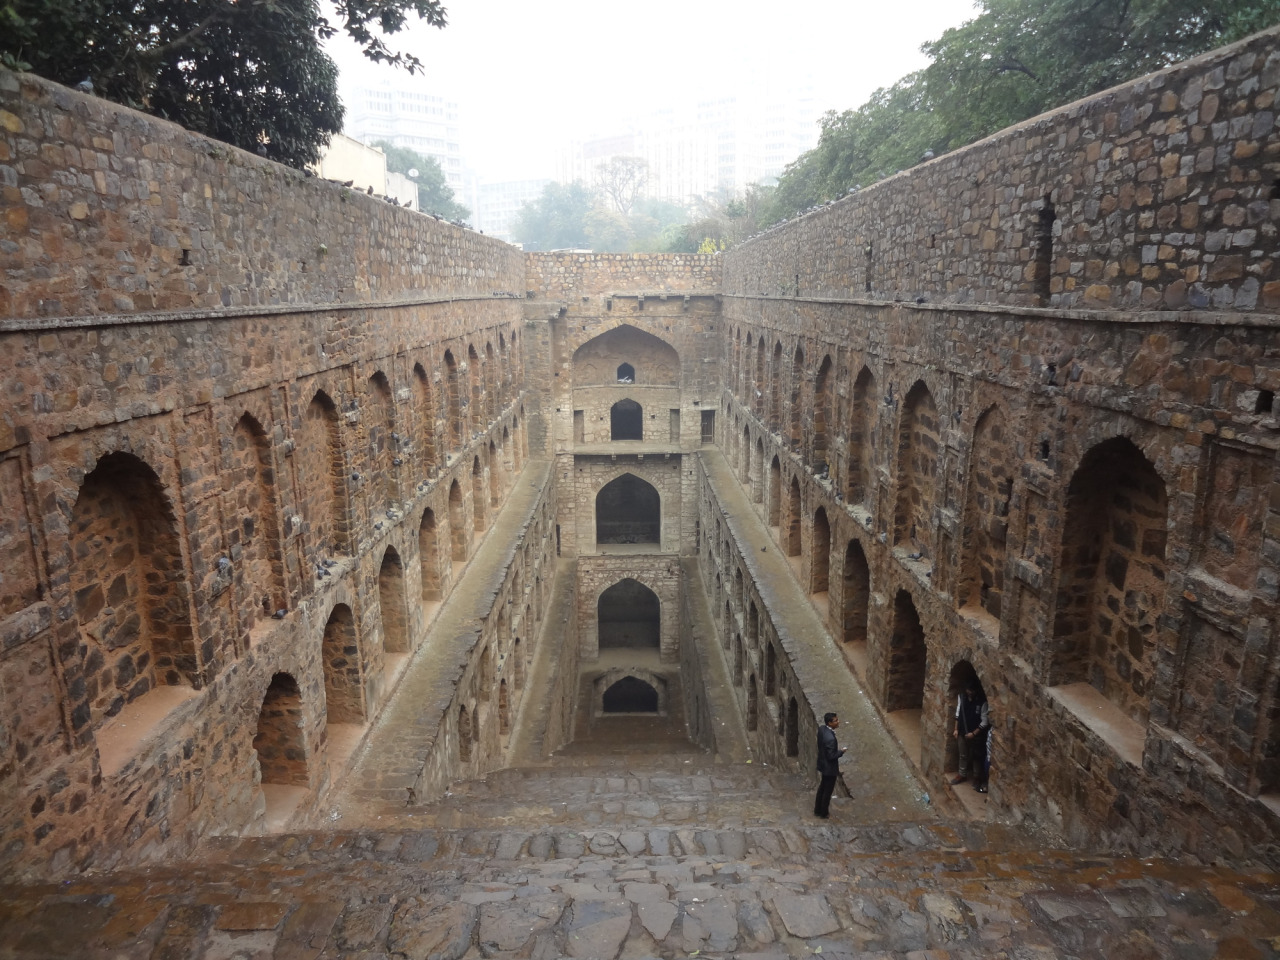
x,y
85,85
370,190
347,183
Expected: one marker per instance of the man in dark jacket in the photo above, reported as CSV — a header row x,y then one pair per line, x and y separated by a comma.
x,y
829,754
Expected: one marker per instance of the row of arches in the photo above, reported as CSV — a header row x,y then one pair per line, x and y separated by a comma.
x,y
140,608
1108,624
1111,587
915,498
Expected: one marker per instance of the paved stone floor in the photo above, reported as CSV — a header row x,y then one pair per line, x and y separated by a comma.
x,y
647,856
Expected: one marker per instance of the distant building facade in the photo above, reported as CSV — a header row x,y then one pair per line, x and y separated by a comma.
x,y
497,205
406,111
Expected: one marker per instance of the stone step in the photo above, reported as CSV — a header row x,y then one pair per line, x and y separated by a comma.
x,y
447,848
888,891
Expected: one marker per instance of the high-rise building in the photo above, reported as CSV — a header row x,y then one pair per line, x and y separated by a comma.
x,y
706,147
409,112
498,204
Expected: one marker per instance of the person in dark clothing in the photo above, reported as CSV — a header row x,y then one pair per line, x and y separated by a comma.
x,y
973,720
829,754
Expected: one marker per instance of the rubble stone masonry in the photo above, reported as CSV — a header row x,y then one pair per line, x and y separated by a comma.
x,y
1008,414
1051,468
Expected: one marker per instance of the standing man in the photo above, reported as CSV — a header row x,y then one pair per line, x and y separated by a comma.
x,y
973,720
829,754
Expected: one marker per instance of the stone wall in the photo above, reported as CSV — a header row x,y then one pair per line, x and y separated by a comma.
x,y
1156,195
239,473
567,276
1067,490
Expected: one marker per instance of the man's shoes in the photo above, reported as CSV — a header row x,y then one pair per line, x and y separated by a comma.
x,y
982,788
822,816
955,780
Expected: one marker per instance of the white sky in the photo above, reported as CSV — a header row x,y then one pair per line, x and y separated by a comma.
x,y
527,74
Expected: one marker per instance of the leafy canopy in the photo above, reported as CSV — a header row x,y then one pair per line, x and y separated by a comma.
x,y
249,72
1014,60
434,193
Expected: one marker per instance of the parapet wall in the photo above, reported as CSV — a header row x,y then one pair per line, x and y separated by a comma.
x,y
556,276
1161,191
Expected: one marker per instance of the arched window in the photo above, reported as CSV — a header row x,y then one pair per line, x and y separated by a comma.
x,y
629,616
626,373
628,510
626,421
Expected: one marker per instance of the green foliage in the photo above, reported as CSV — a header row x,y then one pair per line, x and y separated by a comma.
x,y
1014,60
251,73
557,219
575,217
434,193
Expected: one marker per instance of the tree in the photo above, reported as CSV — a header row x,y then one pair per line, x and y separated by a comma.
x,y
557,219
434,193
621,180
1015,59
251,73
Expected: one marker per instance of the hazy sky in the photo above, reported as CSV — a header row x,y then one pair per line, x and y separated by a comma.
x,y
528,74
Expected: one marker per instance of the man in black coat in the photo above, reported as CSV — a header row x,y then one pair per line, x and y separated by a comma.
x,y
829,754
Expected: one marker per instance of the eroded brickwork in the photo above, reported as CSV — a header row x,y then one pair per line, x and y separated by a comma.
x,y
1010,412
226,477
1075,502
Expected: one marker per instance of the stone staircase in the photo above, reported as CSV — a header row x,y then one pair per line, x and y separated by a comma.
x,y
647,856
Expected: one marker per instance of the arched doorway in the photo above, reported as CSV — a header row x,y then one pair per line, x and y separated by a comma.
x,y
626,421
630,695
629,616
628,510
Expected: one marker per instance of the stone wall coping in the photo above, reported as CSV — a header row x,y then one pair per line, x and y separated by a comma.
x,y
45,324
1208,318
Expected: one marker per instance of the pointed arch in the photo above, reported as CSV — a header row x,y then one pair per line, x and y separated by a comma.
x,y
908,657
628,510
425,412
429,555
820,552
986,515
856,594
478,496
797,400
792,534
343,670
629,616
861,454
823,423
279,741
381,432
919,460
775,493
391,603
321,468
1111,584
256,503
459,535
775,390
131,595
626,420
454,401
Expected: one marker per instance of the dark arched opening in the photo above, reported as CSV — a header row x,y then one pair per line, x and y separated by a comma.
x,y
629,616
630,695
626,421
628,510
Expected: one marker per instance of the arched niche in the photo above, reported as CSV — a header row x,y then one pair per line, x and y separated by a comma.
x,y
629,616
600,360
628,510
629,691
626,420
